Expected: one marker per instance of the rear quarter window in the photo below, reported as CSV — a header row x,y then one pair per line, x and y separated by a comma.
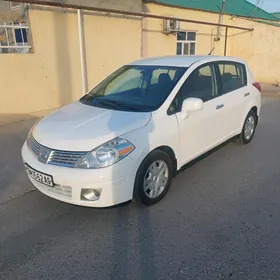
x,y
233,76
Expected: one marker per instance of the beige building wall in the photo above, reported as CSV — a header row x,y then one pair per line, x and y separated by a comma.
x,y
259,48
110,42
50,77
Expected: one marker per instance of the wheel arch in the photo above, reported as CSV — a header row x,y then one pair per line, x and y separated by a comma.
x,y
255,110
168,150
251,107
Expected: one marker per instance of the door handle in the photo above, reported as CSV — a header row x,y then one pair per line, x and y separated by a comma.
x,y
219,106
246,94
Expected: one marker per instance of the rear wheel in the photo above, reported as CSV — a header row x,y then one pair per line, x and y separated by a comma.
x,y
153,178
249,128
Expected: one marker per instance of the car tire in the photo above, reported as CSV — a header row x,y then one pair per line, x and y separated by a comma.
x,y
249,128
153,178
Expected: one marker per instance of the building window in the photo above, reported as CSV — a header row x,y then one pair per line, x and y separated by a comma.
x,y
14,5
186,43
21,39
20,36
15,38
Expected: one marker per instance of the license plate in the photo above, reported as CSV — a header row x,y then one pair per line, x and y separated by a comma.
x,y
39,176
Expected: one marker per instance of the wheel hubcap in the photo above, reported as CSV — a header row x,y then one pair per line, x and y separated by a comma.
x,y
249,128
156,179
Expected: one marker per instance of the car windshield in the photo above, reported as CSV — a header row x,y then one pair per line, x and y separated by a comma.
x,y
135,88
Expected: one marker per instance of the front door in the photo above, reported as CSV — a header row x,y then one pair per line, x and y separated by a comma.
x,y
201,131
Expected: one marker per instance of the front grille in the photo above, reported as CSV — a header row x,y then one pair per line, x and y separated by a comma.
x,y
58,190
63,158
34,146
54,157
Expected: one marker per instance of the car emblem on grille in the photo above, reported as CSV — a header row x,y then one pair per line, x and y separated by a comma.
x,y
43,155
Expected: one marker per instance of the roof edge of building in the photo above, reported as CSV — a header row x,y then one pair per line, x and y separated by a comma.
x,y
209,11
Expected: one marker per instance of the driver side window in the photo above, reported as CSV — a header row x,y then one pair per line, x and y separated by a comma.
x,y
201,83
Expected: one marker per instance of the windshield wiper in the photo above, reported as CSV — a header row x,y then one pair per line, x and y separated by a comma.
x,y
107,102
116,105
129,106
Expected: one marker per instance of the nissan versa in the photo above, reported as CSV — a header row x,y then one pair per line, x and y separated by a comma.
x,y
129,135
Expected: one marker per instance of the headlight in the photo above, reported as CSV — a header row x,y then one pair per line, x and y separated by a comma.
x,y
107,154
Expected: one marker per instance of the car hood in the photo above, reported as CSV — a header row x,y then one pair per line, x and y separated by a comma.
x,y
79,127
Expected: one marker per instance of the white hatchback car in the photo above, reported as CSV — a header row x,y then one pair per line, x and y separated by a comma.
x,y
129,135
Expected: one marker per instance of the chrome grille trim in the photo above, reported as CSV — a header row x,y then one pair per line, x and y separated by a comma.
x,y
54,157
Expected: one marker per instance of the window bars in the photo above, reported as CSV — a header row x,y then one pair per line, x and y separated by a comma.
x,y
13,37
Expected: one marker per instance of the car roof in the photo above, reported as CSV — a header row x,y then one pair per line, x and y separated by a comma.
x,y
182,60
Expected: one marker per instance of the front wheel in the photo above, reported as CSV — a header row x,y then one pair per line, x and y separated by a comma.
x,y
153,178
249,128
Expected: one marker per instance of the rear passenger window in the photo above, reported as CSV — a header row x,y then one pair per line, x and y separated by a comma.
x,y
233,76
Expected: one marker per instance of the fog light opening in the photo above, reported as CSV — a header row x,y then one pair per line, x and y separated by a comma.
x,y
90,194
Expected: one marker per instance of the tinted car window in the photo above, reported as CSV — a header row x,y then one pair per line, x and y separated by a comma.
x,y
233,76
200,84
137,88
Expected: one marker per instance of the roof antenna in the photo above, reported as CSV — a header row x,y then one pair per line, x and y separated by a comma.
x,y
211,51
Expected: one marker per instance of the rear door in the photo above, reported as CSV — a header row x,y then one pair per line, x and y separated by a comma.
x,y
235,95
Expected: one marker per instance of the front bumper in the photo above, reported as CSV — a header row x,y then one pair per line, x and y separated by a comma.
x,y
116,182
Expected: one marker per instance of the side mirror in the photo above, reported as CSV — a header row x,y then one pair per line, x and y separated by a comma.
x,y
191,105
